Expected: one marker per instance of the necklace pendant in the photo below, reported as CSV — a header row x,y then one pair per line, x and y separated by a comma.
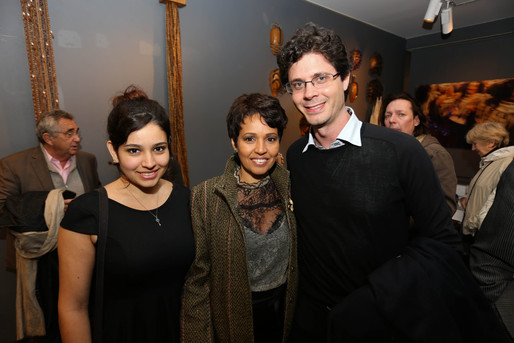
x,y
158,221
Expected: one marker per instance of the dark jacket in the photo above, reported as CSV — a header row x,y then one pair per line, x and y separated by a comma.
x,y
33,218
492,253
425,295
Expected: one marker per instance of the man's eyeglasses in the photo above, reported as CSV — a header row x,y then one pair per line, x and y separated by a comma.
x,y
319,81
70,133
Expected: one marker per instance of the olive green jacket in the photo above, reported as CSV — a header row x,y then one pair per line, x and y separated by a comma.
x,y
217,302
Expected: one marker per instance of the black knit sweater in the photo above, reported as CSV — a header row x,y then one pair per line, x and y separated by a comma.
x,y
353,205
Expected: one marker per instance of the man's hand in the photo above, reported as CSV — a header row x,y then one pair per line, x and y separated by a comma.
x,y
66,203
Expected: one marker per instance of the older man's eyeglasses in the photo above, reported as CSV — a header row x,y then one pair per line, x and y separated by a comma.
x,y
319,81
71,133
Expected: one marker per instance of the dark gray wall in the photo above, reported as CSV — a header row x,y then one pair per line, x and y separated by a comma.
x,y
16,131
16,109
481,52
102,46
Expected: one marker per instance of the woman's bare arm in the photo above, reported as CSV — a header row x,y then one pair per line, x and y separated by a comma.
x,y
76,263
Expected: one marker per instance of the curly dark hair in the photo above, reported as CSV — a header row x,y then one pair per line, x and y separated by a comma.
x,y
312,38
247,105
422,128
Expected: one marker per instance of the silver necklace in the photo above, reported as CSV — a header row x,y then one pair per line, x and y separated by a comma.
x,y
157,220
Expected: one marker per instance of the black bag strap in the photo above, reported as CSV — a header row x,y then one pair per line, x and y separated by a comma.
x,y
103,218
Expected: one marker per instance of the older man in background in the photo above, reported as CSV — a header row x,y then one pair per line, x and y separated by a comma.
x,y
26,181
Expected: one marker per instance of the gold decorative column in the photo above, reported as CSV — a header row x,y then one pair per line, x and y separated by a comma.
x,y
175,98
38,39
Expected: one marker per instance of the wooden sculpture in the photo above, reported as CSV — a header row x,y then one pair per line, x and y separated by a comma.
x,y
276,38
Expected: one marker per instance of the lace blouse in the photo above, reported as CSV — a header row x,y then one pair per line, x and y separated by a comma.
x,y
267,233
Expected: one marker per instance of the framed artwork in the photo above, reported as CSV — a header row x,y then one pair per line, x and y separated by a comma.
x,y
452,109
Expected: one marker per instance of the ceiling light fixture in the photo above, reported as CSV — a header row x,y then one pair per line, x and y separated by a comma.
x,y
433,9
434,6
447,18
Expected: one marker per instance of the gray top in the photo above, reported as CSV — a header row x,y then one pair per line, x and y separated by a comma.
x,y
266,232
268,257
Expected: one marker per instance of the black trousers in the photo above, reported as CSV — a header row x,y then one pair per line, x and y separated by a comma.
x,y
310,322
268,315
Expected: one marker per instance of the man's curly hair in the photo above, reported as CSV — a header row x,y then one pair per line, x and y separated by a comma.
x,y
316,39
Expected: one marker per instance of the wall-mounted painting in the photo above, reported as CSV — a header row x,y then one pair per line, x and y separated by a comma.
x,y
453,108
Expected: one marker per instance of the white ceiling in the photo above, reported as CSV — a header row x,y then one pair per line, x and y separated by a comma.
x,y
404,18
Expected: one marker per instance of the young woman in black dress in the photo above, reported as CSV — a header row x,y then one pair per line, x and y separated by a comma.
x,y
149,245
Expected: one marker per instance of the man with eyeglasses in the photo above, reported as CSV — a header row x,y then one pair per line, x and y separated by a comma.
x,y
354,186
27,177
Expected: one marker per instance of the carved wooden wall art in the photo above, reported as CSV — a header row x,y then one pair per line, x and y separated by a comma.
x,y
276,39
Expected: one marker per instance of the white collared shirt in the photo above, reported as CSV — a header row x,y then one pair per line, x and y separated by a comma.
x,y
351,133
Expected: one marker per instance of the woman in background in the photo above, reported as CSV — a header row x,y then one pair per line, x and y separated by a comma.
x,y
241,287
149,245
489,140
402,113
